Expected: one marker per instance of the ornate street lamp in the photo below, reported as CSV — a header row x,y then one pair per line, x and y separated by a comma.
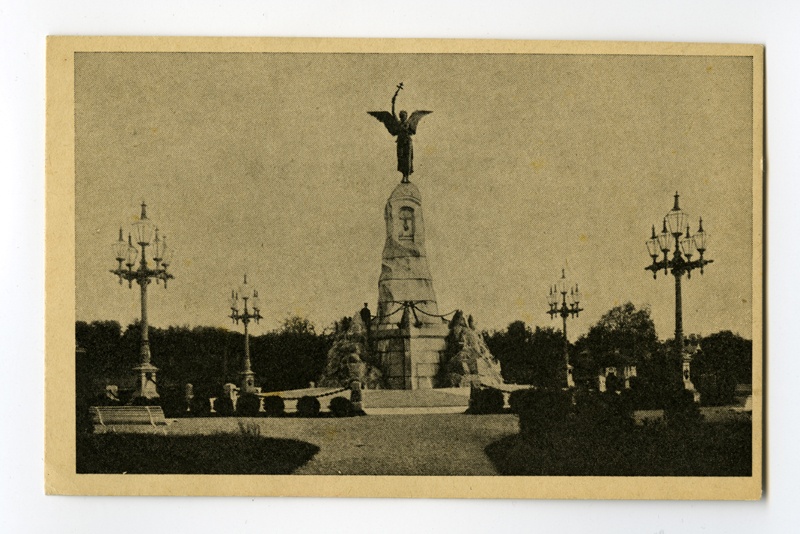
x,y
675,237
146,235
565,306
244,293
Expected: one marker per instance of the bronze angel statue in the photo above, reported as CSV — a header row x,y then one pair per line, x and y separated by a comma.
x,y
403,127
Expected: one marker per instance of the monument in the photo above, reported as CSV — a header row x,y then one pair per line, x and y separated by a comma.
x,y
408,344
409,334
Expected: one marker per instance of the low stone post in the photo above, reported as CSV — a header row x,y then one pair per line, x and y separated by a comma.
x,y
356,396
189,396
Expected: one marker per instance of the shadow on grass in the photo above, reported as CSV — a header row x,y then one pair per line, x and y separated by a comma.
x,y
719,449
217,454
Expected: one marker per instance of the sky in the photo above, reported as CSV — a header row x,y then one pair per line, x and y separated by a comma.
x,y
267,164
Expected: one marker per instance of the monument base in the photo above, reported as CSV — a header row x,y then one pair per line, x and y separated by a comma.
x,y
411,356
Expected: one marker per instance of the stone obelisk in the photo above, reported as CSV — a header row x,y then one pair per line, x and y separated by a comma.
x,y
410,334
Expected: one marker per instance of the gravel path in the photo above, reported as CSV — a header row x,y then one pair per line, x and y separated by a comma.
x,y
429,444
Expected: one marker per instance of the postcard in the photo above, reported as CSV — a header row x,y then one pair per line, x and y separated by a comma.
x,y
404,268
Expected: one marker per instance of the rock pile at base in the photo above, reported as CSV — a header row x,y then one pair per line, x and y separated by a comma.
x,y
467,358
349,359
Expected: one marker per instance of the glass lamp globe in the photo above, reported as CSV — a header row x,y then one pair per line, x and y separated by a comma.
x,y
687,244
120,248
665,238
143,228
131,253
700,239
158,248
561,285
652,244
676,218
166,253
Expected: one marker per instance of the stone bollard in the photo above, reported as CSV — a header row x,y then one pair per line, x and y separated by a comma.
x,y
232,392
189,396
356,396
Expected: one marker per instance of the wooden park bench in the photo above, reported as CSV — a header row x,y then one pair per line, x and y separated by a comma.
x,y
128,415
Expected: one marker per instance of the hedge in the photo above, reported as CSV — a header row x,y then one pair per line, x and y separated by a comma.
x,y
341,407
274,406
486,401
247,405
308,406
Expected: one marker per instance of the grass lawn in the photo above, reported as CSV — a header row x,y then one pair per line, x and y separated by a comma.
x,y
704,449
429,444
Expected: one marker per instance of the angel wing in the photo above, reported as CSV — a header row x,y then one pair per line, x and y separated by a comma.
x,y
388,120
414,119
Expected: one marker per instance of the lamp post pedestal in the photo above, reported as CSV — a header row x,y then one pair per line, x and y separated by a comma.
x,y
687,373
146,381
570,378
687,376
567,367
247,379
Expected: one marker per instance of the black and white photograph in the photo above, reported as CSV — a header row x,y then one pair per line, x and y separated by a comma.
x,y
389,267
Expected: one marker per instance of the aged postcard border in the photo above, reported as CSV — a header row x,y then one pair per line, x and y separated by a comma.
x,y
60,476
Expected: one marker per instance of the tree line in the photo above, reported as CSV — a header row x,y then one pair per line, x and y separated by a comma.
x,y
296,354
624,336
206,357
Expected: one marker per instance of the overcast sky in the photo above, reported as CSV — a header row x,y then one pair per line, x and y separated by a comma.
x,y
268,164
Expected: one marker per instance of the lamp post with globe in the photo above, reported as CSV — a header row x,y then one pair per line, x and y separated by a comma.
x,y
245,293
675,237
565,306
146,234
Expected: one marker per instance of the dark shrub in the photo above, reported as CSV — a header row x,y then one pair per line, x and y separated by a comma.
x,y
603,412
223,406
680,408
590,406
174,404
200,406
617,410
519,400
486,401
544,408
341,407
647,394
248,404
83,417
274,406
308,406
